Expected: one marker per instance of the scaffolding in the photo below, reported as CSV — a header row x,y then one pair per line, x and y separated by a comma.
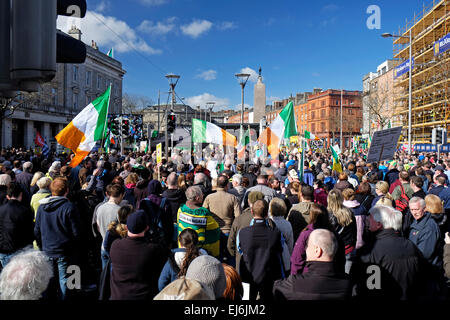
x,y
430,75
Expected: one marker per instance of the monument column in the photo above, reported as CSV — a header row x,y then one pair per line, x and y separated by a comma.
x,y
259,106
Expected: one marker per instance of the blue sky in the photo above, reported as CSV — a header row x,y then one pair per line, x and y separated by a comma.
x,y
299,44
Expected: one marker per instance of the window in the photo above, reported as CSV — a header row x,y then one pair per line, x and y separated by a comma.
x,y
75,73
323,103
313,115
75,101
99,82
88,78
322,113
54,96
313,127
322,127
337,102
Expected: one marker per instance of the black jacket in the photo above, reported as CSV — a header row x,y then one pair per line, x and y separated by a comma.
x,y
261,255
175,199
16,227
399,261
321,282
137,265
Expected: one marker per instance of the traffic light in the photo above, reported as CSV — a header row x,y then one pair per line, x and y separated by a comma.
x,y
115,124
171,123
125,128
31,46
438,136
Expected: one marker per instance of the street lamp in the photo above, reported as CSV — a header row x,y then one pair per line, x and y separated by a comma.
x,y
173,80
211,104
388,35
242,78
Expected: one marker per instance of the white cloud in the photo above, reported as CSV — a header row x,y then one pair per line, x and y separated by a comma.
x,y
93,29
159,28
253,74
103,5
207,75
227,25
201,100
153,3
196,28
330,7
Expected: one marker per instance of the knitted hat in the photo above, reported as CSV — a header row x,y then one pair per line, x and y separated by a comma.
x,y
209,272
255,196
185,289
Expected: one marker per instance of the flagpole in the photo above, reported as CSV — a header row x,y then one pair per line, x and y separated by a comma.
x,y
106,118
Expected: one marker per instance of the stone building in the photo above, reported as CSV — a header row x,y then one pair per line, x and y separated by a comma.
x,y
57,102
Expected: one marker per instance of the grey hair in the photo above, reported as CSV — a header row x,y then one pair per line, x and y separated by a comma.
x,y
172,180
26,276
388,216
420,200
193,192
5,179
100,163
28,166
237,178
199,178
44,182
325,240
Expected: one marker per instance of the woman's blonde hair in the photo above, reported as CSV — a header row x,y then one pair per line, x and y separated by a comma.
x,y
132,178
335,206
385,201
383,186
36,177
277,207
434,204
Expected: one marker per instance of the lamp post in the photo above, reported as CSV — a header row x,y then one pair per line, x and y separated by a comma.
x,y
388,35
211,106
173,80
242,78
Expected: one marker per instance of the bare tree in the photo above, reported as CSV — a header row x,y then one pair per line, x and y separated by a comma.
x,y
135,104
377,101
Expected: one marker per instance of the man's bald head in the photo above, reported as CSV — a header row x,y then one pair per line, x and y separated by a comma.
x,y
322,246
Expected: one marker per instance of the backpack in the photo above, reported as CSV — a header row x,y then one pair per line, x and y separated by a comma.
x,y
401,204
156,233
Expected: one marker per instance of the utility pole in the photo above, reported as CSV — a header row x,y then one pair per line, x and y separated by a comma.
x,y
173,80
158,108
342,93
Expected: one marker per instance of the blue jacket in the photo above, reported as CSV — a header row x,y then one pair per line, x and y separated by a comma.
x,y
308,177
57,227
445,197
425,234
170,270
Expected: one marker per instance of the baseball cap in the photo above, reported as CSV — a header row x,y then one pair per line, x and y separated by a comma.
x,y
137,222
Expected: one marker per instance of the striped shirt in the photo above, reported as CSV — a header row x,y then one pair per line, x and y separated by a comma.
x,y
204,224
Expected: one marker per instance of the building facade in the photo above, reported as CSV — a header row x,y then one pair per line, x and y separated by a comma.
x,y
57,102
430,33
379,99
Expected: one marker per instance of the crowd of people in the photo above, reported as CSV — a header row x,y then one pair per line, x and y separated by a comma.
x,y
124,227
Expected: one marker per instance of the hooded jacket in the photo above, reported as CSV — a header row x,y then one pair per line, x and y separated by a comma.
x,y
299,217
141,190
57,228
360,214
175,198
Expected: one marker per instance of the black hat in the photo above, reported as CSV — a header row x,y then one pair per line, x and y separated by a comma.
x,y
137,222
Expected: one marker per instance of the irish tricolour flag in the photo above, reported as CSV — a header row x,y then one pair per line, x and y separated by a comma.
x,y
282,127
309,135
207,132
86,128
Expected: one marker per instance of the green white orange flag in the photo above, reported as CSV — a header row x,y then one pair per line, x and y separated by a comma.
x,y
336,164
309,135
89,126
282,127
244,141
111,53
207,132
